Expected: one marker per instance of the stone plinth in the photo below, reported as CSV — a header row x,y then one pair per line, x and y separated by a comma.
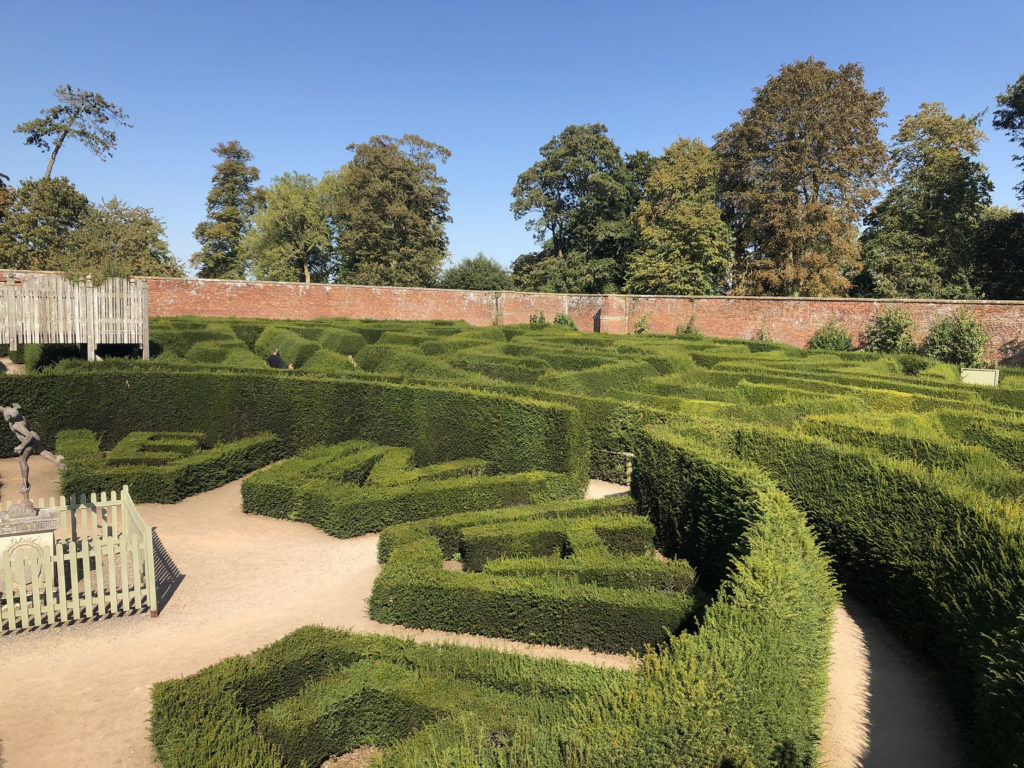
x,y
26,544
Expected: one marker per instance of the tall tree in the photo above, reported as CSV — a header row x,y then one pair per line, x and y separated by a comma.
x,y
36,231
920,241
81,115
390,209
290,239
1010,117
1000,253
119,240
579,197
233,201
477,274
799,170
684,245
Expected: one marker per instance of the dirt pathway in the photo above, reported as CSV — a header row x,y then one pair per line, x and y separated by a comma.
x,y
79,696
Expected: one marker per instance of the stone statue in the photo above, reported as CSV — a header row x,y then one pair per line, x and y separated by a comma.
x,y
29,444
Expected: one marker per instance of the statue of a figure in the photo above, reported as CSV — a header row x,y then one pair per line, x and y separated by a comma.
x,y
29,444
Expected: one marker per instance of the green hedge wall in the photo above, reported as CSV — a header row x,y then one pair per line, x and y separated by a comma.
x,y
173,478
774,597
439,424
942,563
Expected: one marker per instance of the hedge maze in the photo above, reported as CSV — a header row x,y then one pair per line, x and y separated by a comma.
x,y
766,475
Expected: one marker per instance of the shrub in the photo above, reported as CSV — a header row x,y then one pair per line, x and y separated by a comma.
x,y
538,319
564,320
690,329
960,339
890,331
174,474
831,336
911,365
642,326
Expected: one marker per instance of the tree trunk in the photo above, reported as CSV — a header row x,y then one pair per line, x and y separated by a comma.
x,y
53,156
305,269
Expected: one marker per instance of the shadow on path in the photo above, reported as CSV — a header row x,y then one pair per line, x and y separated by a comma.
x,y
910,721
168,577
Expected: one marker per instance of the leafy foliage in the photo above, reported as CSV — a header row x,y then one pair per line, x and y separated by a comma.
x,y
37,229
831,336
119,240
799,170
999,253
959,339
80,115
890,331
390,209
684,245
565,321
230,206
579,195
477,274
920,241
289,239
1010,118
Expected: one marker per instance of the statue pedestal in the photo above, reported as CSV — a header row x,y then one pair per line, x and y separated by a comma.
x,y
26,545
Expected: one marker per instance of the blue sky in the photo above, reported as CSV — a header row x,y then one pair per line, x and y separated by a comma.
x,y
297,82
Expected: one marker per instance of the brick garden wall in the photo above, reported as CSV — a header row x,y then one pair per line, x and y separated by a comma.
x,y
787,320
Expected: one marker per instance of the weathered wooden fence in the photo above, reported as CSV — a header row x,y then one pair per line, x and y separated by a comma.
x,y
50,309
101,566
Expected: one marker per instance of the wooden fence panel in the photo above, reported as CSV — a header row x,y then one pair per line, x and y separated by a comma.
x,y
102,565
50,309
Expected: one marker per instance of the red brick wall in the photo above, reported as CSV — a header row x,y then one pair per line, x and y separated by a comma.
x,y
781,319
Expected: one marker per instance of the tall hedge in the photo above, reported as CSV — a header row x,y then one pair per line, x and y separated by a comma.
x,y
944,564
440,424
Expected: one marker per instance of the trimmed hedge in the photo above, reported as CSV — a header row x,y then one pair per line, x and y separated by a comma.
x,y
353,488
174,477
295,350
942,563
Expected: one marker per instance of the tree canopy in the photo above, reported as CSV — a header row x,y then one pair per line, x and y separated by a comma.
x,y
290,238
579,197
81,115
1010,118
799,170
119,240
230,206
920,241
390,209
36,230
684,244
477,274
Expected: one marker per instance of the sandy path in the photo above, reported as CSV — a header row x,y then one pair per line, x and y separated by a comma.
x,y
79,696
885,707
248,581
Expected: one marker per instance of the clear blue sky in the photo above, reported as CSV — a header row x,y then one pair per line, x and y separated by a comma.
x,y
297,82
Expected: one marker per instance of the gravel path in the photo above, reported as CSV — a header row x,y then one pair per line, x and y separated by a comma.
x,y
79,695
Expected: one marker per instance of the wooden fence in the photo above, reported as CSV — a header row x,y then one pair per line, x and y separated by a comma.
x,y
48,308
101,566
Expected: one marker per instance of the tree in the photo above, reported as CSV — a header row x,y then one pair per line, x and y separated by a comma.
x,y
684,245
477,274
579,196
119,240
1010,117
390,212
920,241
999,246
36,231
799,170
290,238
81,115
230,206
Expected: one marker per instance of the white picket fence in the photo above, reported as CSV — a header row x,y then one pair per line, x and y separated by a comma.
x,y
101,566
47,308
